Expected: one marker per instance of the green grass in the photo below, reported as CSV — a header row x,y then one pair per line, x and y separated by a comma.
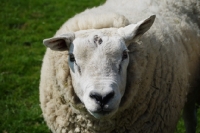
x,y
23,26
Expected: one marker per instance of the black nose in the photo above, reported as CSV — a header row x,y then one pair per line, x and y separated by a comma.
x,y
102,100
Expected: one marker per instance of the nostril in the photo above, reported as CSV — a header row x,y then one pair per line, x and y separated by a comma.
x,y
101,100
107,98
96,96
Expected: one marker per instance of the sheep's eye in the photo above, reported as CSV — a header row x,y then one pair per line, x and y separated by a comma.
x,y
125,55
71,57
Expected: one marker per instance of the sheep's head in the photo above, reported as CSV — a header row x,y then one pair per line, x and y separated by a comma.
x,y
98,60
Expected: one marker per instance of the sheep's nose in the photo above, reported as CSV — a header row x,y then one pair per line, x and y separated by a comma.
x,y
102,99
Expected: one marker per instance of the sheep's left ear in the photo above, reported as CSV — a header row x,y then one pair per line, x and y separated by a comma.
x,y
59,43
134,31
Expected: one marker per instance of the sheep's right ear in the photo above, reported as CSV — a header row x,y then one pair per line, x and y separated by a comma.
x,y
59,43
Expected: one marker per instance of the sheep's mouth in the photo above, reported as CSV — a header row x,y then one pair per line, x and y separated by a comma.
x,y
100,114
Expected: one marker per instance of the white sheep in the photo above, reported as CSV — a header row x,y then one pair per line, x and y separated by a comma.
x,y
102,74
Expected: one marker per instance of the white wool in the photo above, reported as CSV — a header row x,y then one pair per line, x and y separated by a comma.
x,y
163,69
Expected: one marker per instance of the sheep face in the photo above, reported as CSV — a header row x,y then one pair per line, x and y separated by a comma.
x,y
98,61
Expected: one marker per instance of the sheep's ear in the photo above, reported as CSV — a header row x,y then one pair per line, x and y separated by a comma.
x,y
59,43
134,31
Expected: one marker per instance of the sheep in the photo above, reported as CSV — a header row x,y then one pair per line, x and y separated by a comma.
x,y
118,68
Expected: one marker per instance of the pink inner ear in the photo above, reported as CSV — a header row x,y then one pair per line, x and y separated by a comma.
x,y
59,44
54,41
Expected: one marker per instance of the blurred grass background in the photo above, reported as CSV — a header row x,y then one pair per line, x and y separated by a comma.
x,y
23,26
